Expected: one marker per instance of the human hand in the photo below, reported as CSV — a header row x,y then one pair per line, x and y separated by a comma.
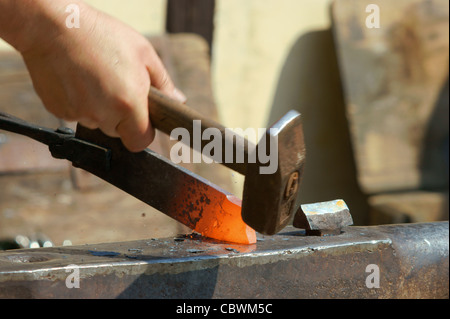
x,y
98,75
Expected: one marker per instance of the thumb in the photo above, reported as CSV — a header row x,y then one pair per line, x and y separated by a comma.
x,y
160,79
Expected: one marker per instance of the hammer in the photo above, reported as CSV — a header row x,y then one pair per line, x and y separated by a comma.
x,y
268,201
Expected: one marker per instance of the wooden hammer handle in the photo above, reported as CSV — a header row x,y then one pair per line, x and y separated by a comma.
x,y
167,114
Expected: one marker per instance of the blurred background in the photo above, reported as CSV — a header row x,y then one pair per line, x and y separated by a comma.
x,y
374,103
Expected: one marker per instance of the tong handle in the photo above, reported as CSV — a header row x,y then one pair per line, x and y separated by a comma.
x,y
62,143
36,132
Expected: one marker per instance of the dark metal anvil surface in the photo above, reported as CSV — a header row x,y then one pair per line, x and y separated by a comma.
x,y
412,261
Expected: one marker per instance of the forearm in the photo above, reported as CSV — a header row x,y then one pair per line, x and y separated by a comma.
x,y
25,22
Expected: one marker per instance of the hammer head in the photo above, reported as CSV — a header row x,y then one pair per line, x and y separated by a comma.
x,y
269,195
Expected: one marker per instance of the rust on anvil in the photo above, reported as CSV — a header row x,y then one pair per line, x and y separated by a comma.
x,y
326,218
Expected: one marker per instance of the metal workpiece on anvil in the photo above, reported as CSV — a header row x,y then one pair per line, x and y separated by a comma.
x,y
410,260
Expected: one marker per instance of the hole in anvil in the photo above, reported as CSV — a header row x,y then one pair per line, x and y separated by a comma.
x,y
27,258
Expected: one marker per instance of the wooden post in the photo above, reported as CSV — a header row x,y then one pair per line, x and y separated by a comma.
x,y
193,16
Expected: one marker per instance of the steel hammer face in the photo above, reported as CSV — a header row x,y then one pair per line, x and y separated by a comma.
x,y
269,198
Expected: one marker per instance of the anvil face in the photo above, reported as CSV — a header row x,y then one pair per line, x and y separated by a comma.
x,y
411,261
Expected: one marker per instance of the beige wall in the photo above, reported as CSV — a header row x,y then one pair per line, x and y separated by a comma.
x,y
252,41
4,46
146,16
